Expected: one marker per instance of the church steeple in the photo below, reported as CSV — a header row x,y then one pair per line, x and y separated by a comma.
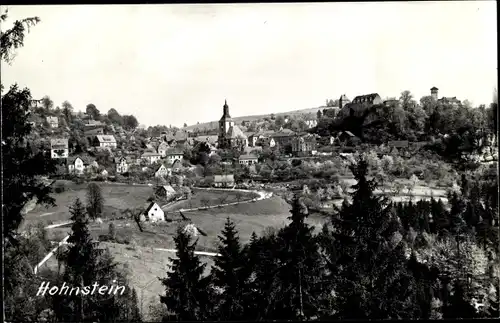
x,y
226,110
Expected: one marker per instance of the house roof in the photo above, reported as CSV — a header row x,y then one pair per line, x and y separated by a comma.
x,y
248,157
168,188
174,151
59,142
434,88
151,205
149,154
163,145
210,139
106,138
179,135
93,123
128,159
224,178
235,132
344,98
160,166
282,134
86,159
369,97
52,119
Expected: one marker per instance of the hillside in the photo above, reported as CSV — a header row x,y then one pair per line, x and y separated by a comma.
x,y
238,120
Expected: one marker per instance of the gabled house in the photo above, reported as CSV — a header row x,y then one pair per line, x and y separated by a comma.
x,y
225,181
248,159
166,191
59,148
78,164
75,165
151,157
372,98
53,122
104,141
153,213
122,164
304,145
93,131
163,171
174,154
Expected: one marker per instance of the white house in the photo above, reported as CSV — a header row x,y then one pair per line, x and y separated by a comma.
x,y
122,165
248,159
105,141
153,213
163,171
59,148
311,123
53,122
174,155
151,157
76,166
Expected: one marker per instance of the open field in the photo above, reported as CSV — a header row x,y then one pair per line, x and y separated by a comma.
x,y
249,217
116,198
211,197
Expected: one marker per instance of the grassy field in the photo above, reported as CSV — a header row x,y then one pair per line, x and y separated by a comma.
x,y
116,199
249,217
211,197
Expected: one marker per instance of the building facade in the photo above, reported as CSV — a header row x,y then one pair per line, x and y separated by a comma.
x,y
230,135
59,148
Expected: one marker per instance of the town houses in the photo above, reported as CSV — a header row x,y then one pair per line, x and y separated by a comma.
x,y
162,155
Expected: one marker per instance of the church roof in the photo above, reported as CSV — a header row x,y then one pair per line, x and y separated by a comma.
x,y
235,132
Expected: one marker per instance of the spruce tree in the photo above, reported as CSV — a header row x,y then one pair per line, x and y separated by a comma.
x,y
264,284
300,271
372,278
80,267
229,275
187,292
86,264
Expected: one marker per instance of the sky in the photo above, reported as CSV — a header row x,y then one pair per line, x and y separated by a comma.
x,y
177,63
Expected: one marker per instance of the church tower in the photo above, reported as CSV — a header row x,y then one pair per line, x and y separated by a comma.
x,y
225,123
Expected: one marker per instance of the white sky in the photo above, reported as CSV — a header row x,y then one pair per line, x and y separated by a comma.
x,y
170,64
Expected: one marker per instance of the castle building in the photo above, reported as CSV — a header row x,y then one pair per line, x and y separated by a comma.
x,y
230,135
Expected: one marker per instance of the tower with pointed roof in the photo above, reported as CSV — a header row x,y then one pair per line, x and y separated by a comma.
x,y
230,135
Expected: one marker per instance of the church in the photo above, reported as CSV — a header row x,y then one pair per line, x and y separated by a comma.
x,y
230,135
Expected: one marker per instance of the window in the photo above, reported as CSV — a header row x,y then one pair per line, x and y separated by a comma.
x,y
156,209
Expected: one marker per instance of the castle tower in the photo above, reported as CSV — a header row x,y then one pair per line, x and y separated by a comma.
x,y
343,101
434,93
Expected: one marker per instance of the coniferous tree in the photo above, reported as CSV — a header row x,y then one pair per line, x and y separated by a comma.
x,y
80,266
373,280
301,268
187,295
95,201
85,264
229,275
264,284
